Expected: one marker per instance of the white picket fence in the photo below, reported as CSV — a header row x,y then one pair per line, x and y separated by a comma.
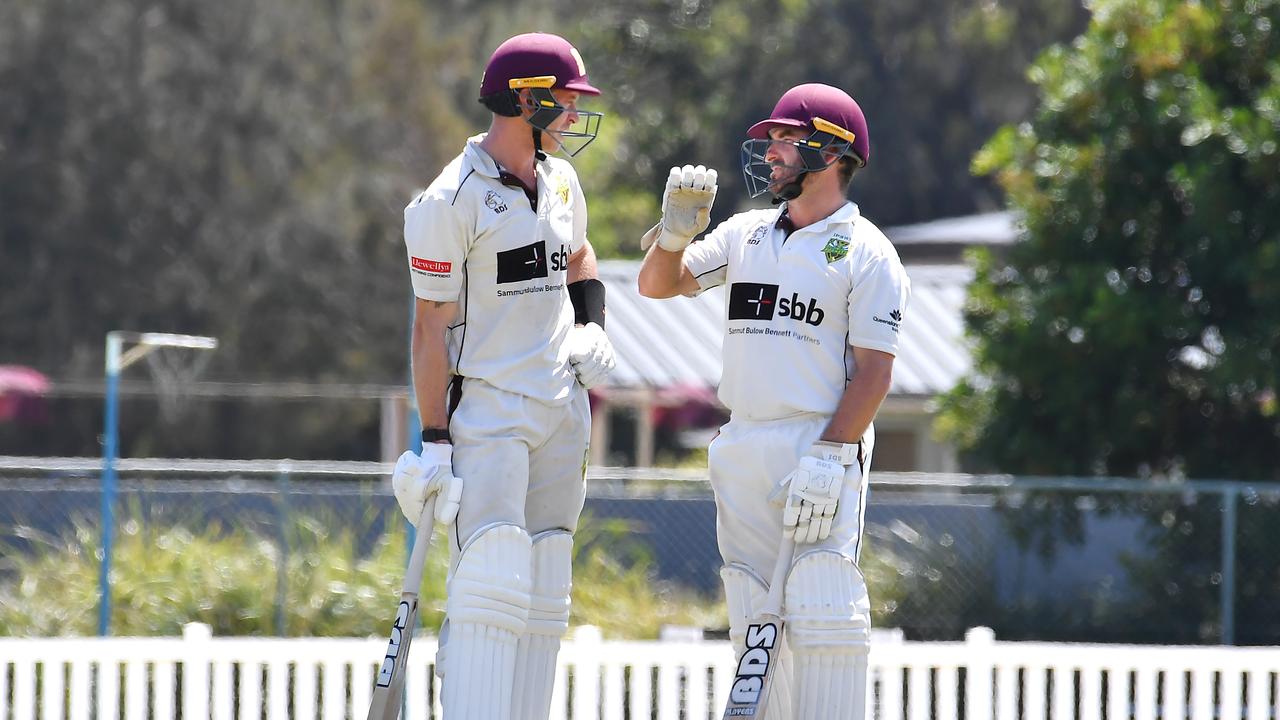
x,y
199,677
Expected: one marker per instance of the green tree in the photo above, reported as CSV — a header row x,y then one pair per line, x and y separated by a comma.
x,y
934,79
1135,329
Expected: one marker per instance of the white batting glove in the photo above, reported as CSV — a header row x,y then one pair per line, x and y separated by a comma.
x,y
416,479
812,490
590,354
686,206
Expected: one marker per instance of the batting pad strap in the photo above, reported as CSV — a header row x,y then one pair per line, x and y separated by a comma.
x,y
828,610
490,585
587,297
744,594
552,582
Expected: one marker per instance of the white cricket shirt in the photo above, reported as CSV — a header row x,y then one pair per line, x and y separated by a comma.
x,y
473,240
797,306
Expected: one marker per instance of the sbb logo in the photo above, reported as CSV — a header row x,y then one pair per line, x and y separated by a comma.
x,y
759,301
560,259
797,310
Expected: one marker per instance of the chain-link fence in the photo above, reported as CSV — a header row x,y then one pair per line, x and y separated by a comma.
x,y
315,548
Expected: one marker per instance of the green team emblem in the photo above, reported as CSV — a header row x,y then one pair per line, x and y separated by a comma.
x,y
837,247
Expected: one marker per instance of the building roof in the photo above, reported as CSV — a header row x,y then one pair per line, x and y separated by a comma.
x,y
675,342
995,228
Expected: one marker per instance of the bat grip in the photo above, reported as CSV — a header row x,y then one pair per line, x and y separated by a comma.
x,y
778,583
421,541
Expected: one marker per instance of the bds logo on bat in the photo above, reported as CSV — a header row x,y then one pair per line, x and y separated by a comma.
x,y
388,668
750,684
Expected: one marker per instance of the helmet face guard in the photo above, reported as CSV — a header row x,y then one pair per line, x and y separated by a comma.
x,y
817,152
545,110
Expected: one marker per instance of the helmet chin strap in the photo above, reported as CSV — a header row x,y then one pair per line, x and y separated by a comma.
x,y
791,190
537,145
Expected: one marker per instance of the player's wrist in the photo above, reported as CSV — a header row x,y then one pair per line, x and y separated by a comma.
x,y
436,435
672,242
837,452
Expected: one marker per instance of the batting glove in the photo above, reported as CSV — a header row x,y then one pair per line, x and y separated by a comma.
x,y
416,479
686,206
812,490
590,354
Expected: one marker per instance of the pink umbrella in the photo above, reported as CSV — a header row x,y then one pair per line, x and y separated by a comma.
x,y
18,384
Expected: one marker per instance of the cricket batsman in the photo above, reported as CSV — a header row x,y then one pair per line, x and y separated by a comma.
x,y
508,334
816,297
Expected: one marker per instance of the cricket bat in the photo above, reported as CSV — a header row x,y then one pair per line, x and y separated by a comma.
x,y
388,688
749,693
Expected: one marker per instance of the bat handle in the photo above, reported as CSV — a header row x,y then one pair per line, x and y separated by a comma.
x,y
421,541
778,583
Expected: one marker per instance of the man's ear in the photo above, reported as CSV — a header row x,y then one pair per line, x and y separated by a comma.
x,y
525,101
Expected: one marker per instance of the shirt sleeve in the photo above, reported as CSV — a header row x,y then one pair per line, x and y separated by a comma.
x,y
579,216
436,240
707,258
877,304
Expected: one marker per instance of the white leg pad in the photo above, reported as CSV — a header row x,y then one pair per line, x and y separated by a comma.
x,y
548,622
828,628
487,610
745,594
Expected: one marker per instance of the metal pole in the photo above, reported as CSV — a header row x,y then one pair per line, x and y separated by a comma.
x,y
413,424
110,436
1227,592
282,565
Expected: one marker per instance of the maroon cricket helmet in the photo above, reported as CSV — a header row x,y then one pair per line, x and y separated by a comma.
x,y
802,104
536,55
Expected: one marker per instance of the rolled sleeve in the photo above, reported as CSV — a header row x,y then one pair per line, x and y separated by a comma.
x,y
707,258
877,306
436,242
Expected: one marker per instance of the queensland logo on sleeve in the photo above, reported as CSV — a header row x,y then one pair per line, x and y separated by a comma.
x,y
757,301
894,319
434,268
837,248
494,202
757,235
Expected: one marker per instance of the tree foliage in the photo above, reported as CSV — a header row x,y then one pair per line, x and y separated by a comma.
x,y
1136,328
239,169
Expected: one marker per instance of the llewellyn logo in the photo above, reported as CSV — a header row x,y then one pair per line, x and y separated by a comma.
x,y
434,268
896,316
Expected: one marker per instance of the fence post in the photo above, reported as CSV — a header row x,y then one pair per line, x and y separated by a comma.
x,y
585,701
282,539
981,642
197,639
1227,591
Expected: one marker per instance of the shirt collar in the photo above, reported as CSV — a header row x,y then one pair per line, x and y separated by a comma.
x,y
482,162
847,213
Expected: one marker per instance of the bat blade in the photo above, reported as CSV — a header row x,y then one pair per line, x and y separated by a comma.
x,y
388,686
758,658
749,692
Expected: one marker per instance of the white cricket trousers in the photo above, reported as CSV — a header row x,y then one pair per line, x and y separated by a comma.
x,y
747,459
521,461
